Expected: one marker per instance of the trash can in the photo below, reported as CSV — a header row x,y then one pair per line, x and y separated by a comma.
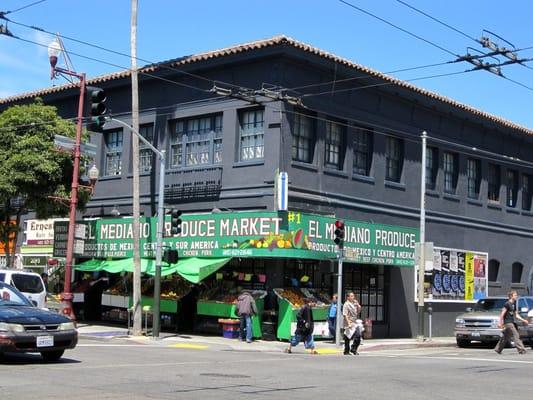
x,y
367,334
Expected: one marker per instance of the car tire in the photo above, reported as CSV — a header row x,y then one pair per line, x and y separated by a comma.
x,y
52,355
463,343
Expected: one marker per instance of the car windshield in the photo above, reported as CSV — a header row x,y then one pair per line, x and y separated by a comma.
x,y
9,296
27,283
489,304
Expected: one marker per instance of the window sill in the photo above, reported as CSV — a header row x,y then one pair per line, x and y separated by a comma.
x,y
494,205
475,202
451,197
304,165
432,193
518,285
495,284
244,164
130,176
527,213
110,178
511,210
364,178
335,172
200,167
395,185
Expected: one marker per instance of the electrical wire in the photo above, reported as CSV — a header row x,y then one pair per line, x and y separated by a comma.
x,y
24,7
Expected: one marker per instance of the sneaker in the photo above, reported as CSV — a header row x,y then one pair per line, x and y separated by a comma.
x,y
314,352
355,353
498,351
346,353
287,350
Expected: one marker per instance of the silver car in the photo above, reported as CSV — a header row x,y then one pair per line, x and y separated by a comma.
x,y
480,323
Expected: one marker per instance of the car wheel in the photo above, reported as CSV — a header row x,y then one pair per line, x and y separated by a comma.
x,y
52,355
463,342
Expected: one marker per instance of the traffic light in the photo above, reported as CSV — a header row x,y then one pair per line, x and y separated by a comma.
x,y
175,221
170,256
98,109
339,234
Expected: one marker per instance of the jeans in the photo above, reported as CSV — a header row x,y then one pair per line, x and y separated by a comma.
x,y
246,326
332,323
309,343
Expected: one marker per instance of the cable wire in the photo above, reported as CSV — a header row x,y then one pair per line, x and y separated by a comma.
x,y
24,7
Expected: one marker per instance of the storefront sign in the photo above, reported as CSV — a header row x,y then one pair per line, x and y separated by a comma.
x,y
34,261
455,275
39,232
249,234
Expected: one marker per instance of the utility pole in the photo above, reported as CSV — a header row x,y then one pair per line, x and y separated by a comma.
x,y
422,260
137,312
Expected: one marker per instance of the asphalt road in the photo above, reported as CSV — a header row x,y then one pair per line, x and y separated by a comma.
x,y
124,370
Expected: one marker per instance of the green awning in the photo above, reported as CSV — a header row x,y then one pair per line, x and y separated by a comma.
x,y
196,269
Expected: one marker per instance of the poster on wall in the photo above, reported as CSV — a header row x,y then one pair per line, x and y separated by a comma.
x,y
454,275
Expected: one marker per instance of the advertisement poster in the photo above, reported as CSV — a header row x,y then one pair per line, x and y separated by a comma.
x,y
456,275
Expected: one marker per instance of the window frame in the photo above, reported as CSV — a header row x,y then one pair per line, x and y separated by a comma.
x,y
473,184
113,155
362,152
146,154
334,147
432,167
303,138
493,187
256,133
450,169
393,162
527,191
513,179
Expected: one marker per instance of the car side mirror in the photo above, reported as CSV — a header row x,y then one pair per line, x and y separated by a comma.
x,y
468,309
34,303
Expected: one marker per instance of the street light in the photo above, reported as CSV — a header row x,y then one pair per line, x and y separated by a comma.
x,y
54,50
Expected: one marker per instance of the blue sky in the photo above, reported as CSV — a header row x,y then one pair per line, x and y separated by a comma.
x,y
172,28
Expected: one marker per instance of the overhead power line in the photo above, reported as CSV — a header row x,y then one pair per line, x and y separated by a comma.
x,y
24,7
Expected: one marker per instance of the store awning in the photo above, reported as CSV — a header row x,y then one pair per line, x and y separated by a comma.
x,y
196,269
193,269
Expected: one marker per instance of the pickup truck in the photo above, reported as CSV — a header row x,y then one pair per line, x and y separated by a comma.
x,y
480,323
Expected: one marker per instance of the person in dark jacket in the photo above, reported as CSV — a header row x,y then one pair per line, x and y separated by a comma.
x,y
304,328
246,309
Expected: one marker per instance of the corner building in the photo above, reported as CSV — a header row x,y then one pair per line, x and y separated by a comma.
x,y
349,139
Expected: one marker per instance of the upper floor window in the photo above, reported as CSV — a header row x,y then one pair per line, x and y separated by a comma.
x,y
494,183
527,191
251,141
512,188
432,167
145,153
473,171
334,145
196,141
362,151
113,152
394,159
451,172
303,138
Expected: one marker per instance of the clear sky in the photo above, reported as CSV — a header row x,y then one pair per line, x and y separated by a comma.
x,y
172,28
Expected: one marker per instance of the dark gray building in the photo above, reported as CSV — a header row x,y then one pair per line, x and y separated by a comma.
x,y
349,138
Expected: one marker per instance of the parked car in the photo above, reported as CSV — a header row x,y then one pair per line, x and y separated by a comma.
x,y
480,323
24,328
30,284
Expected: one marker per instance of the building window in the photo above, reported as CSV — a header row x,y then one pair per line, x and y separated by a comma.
x,y
473,170
252,143
450,170
196,141
512,188
394,159
334,145
303,138
113,152
145,153
362,151
517,272
527,191
494,268
494,183
432,167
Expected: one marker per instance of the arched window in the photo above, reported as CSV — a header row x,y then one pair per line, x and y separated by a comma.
x,y
517,272
494,269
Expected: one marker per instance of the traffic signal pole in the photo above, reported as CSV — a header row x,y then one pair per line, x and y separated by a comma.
x,y
339,300
156,324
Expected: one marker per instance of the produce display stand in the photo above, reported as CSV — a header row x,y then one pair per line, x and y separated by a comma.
x,y
214,308
287,313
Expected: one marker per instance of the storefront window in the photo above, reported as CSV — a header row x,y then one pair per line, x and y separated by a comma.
x,y
368,284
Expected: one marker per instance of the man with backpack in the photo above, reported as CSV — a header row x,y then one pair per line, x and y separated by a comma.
x,y
304,328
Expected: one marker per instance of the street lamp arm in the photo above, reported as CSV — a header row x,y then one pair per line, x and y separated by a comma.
x,y
141,137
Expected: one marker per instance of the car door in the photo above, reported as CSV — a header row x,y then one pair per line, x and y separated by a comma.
x,y
522,309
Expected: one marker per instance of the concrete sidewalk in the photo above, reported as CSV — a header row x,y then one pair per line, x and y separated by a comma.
x,y
108,333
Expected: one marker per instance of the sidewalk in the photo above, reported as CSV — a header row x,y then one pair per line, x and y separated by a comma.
x,y
107,333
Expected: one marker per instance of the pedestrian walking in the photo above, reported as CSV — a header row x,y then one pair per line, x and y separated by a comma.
x,y
332,316
246,309
352,331
304,328
508,316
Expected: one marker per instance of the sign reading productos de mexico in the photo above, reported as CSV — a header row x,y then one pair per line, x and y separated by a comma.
x,y
246,234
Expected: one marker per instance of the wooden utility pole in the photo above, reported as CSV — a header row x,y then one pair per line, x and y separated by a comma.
x,y
137,312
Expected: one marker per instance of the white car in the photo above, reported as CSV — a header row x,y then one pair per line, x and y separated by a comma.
x,y
30,284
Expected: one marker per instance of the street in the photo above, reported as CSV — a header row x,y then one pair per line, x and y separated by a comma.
x,y
122,369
